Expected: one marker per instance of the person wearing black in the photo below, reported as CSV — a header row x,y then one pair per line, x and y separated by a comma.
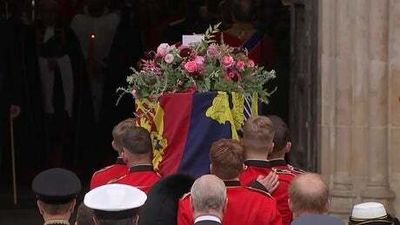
x,y
56,191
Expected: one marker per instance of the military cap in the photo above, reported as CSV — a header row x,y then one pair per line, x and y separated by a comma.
x,y
56,186
317,219
371,213
115,201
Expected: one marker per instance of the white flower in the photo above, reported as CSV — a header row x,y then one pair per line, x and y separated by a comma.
x,y
163,49
169,58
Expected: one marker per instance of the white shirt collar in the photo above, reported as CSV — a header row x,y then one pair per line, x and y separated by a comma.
x,y
207,217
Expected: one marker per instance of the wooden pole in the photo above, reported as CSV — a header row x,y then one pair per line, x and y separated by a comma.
x,y
14,176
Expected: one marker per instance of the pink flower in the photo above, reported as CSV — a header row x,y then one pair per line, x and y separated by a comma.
x,y
199,62
240,65
212,51
169,58
190,66
233,76
227,61
250,63
163,49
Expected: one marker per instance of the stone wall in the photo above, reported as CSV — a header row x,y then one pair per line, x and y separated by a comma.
x,y
359,48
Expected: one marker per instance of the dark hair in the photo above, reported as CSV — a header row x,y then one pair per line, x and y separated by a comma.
x,y
282,134
137,140
242,13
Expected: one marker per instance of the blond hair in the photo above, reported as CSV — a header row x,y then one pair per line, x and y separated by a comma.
x,y
258,133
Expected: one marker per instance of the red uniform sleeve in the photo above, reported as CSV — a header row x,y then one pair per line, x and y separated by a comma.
x,y
185,215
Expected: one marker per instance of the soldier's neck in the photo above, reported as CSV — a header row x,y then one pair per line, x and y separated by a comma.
x,y
256,155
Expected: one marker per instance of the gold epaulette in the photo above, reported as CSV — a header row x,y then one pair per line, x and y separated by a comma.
x,y
116,179
283,171
186,195
296,170
259,191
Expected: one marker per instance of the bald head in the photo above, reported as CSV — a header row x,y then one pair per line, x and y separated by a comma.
x,y
208,196
308,194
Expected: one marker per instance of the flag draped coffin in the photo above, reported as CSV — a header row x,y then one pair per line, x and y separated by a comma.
x,y
184,125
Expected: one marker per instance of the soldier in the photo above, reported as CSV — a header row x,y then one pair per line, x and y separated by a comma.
x,y
56,192
137,153
119,168
246,205
115,204
258,135
282,146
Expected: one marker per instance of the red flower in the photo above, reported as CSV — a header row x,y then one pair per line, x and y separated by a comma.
x,y
233,75
240,65
185,52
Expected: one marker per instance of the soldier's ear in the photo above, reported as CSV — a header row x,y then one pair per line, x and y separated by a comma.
x,y
288,146
40,207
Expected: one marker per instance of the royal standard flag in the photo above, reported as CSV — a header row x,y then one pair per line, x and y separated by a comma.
x,y
184,125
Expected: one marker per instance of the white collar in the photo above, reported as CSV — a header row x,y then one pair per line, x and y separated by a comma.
x,y
207,217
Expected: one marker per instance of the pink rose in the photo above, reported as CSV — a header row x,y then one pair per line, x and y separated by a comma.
x,y
169,58
199,62
190,66
240,65
212,51
163,49
227,61
250,63
233,76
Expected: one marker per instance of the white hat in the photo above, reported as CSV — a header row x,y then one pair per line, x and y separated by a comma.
x,y
115,201
368,210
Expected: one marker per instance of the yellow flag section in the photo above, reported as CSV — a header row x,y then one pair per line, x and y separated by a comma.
x,y
151,117
221,111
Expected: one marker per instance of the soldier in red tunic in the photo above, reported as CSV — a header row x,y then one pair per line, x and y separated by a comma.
x,y
119,168
258,140
137,153
245,205
282,146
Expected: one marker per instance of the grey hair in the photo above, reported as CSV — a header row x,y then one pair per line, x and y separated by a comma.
x,y
208,193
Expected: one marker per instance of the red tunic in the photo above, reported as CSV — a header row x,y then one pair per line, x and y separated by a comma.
x,y
246,206
285,176
140,176
105,175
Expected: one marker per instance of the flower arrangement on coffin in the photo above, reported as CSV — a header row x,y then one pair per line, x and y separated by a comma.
x,y
203,66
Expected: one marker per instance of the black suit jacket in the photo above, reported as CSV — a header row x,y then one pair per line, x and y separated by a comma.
x,y
207,222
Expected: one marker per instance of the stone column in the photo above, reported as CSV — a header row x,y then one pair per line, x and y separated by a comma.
x,y
377,167
342,192
394,99
359,80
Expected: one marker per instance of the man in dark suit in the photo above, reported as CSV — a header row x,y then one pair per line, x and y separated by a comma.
x,y
56,192
208,198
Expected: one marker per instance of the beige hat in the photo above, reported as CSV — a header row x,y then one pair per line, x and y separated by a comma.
x,y
368,210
